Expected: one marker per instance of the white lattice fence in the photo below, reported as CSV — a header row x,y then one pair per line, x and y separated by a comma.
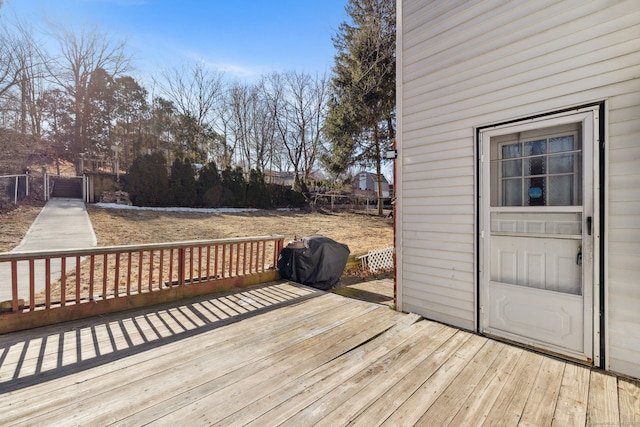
x,y
378,259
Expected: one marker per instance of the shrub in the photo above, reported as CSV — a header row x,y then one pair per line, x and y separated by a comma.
x,y
182,184
147,181
283,196
234,188
257,192
209,186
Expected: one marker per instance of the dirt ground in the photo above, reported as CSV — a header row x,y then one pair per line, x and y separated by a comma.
x,y
361,232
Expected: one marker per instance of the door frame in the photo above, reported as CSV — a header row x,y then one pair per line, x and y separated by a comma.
x,y
596,165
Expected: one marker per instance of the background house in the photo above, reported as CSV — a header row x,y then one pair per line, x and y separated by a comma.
x,y
518,169
369,181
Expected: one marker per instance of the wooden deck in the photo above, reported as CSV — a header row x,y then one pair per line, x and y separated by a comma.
x,y
287,354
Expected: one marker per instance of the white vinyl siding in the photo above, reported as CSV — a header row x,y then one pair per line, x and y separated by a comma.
x,y
466,64
623,239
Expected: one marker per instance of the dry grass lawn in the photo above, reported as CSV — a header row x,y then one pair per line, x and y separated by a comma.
x,y
14,225
361,232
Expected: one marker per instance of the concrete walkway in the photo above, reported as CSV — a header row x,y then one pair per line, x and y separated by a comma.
x,y
62,224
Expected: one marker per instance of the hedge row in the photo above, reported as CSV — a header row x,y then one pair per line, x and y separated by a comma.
x,y
149,184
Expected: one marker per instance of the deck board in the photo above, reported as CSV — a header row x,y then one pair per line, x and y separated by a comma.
x,y
508,408
629,394
571,406
285,354
603,400
543,397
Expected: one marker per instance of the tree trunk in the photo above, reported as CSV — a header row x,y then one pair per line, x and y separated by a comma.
x,y
376,138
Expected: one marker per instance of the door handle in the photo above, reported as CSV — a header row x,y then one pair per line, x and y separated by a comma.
x,y
589,223
579,256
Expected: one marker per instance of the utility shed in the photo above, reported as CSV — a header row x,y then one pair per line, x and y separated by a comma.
x,y
518,172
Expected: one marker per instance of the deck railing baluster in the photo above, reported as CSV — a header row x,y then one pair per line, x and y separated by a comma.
x,y
14,285
92,266
63,281
150,270
181,265
199,275
191,265
129,256
32,285
105,263
215,261
116,278
47,284
170,268
160,269
140,257
78,281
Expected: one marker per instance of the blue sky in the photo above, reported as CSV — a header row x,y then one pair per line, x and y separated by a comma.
x,y
244,38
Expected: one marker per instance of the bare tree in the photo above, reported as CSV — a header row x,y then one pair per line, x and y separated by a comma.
x,y
30,60
297,102
264,136
240,100
196,91
275,98
9,67
81,54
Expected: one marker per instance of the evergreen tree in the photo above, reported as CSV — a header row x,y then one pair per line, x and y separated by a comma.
x,y
209,186
182,183
148,181
234,188
361,120
257,191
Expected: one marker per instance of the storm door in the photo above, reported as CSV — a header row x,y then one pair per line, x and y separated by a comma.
x,y
536,234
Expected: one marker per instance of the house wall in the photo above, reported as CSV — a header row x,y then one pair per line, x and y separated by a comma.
x,y
466,64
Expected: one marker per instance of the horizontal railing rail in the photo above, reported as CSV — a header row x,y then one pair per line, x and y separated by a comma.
x,y
46,280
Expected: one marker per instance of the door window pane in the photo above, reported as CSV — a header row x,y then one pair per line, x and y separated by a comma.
x,y
533,148
561,190
511,168
559,144
536,191
561,163
535,165
509,151
512,192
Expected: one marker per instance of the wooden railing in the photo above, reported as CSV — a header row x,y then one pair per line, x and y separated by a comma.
x,y
83,282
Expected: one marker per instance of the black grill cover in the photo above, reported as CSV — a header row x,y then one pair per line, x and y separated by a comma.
x,y
319,264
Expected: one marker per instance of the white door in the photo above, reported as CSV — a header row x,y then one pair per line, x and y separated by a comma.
x,y
537,233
